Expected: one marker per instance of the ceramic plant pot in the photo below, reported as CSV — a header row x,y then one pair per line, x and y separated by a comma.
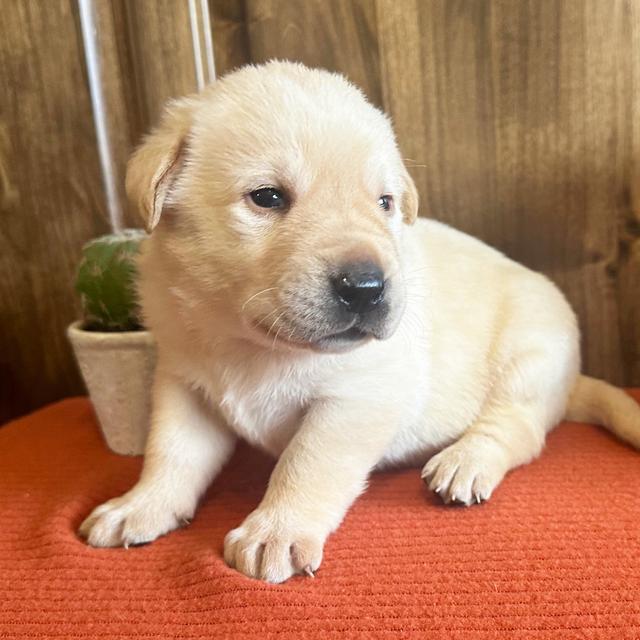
x,y
117,368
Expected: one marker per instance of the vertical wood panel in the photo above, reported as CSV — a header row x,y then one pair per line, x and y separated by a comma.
x,y
334,34
161,51
160,46
521,117
51,199
627,270
230,37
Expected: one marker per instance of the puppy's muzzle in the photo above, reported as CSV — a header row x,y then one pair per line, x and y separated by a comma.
x,y
359,287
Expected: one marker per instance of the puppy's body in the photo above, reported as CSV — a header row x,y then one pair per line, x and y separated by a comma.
x,y
461,351
456,324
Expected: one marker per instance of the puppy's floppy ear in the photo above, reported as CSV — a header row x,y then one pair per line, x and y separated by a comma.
x,y
410,200
155,165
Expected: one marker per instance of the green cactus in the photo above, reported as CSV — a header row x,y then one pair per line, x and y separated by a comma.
x,y
106,282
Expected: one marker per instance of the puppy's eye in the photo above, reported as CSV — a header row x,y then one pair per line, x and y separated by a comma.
x,y
385,202
268,198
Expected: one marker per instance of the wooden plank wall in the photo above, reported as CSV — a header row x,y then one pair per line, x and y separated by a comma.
x,y
51,194
518,120
51,198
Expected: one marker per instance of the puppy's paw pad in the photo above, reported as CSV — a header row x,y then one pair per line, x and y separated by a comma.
x,y
265,548
464,474
127,521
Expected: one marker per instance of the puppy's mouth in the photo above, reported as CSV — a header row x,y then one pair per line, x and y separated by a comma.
x,y
354,334
344,340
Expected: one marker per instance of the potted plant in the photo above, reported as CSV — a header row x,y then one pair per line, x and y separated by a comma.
x,y
115,354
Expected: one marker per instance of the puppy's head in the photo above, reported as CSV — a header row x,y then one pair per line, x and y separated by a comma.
x,y
281,195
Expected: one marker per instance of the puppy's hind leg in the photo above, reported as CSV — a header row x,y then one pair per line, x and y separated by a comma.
x,y
528,401
471,468
186,449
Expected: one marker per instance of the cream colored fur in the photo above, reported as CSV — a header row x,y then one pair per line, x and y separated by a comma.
x,y
476,364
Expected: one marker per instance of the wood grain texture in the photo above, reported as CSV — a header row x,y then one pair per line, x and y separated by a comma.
x,y
336,34
230,36
519,121
160,50
51,198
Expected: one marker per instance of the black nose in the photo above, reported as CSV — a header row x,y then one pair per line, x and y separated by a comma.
x,y
359,286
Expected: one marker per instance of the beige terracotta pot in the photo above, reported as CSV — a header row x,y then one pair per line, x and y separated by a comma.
x,y
118,371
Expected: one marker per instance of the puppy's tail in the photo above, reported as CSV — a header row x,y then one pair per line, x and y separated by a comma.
x,y
598,402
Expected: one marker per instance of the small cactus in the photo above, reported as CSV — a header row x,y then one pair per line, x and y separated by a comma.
x,y
106,282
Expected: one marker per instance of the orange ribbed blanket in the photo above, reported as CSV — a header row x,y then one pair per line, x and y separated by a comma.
x,y
554,554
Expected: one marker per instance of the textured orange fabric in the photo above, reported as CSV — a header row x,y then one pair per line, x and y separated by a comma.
x,y
554,554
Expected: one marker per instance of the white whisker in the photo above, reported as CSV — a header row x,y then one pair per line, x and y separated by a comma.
x,y
274,322
268,315
255,295
275,337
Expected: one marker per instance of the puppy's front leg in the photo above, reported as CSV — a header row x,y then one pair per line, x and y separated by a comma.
x,y
319,474
185,450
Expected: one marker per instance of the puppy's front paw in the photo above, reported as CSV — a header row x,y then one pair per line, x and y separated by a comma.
x,y
134,518
271,547
466,471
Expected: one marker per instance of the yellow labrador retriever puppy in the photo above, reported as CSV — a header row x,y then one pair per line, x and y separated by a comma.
x,y
298,304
